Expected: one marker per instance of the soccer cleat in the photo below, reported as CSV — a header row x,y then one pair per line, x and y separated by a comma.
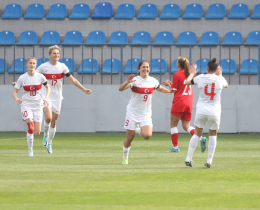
x,y
207,165
49,148
203,144
174,150
188,163
125,161
30,153
45,141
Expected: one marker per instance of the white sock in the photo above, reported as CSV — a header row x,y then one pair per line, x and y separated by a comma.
x,y
52,132
30,141
126,152
211,148
138,130
192,146
46,128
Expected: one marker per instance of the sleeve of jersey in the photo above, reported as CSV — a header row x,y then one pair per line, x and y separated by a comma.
x,y
18,84
196,79
66,70
174,81
133,83
224,81
157,84
44,80
39,69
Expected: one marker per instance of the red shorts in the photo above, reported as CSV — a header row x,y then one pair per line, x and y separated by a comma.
x,y
183,115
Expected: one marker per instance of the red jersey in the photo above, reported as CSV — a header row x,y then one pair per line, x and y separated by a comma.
x,y
182,101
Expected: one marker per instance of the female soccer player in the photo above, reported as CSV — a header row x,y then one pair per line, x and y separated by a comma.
x,y
208,107
31,102
182,103
138,110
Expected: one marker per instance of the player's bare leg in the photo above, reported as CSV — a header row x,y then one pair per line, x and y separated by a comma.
x,y
48,116
52,131
37,128
130,134
211,146
146,131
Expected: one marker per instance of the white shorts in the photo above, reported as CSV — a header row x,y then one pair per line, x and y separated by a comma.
x,y
202,119
35,115
130,124
55,106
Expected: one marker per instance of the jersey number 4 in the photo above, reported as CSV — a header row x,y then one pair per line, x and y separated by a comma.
x,y
187,90
211,94
54,82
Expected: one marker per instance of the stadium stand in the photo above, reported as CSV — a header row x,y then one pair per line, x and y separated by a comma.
x,y
256,12
216,11
171,11
57,11
164,37
125,11
70,63
174,66
193,11
12,11
28,37
3,66
131,68
141,37
239,11
20,66
116,66
253,37
41,61
73,37
203,67
7,37
233,37
96,37
187,37
148,11
87,66
249,66
209,37
158,66
80,11
228,66
35,11
50,37
103,10
118,37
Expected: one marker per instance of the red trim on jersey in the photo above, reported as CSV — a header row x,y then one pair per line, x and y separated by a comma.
x,y
142,90
32,87
54,76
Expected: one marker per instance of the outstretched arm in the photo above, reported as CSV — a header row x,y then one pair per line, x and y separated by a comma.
x,y
126,84
193,72
78,85
169,83
18,101
163,89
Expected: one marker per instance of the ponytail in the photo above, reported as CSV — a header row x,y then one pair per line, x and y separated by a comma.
x,y
184,64
213,65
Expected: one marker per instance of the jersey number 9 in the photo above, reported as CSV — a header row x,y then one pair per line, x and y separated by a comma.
x,y
145,97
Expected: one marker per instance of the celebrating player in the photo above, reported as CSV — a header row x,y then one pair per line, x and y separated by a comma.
x,y
182,103
138,111
208,107
31,102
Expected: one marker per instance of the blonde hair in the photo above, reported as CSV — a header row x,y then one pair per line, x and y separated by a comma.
x,y
55,47
31,57
184,64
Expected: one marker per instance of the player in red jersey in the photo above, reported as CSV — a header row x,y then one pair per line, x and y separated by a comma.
x,y
182,103
31,102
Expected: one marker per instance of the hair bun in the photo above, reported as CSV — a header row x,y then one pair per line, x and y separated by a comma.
x,y
214,60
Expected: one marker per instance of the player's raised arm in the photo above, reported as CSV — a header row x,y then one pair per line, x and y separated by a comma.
x,y
126,84
75,82
219,73
193,72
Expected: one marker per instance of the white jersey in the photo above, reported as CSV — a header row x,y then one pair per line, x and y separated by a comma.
x,y
32,98
210,87
140,105
54,75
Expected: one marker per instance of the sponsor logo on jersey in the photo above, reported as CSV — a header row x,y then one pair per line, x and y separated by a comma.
x,y
32,87
142,90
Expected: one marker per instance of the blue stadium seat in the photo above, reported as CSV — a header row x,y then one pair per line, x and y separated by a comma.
x,y
125,11
141,37
158,66
35,11
193,11
3,66
216,11
171,11
20,66
12,11
132,68
116,66
57,11
225,66
233,37
50,37
174,66
209,37
253,37
80,11
240,11
87,66
103,10
7,37
256,12
148,11
164,37
28,37
187,37
70,63
203,68
73,37
41,61
96,37
118,37
246,65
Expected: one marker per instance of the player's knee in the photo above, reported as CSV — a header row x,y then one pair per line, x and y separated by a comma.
x,y
37,133
30,126
147,136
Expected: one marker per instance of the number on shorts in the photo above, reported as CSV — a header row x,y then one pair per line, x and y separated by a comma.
x,y
126,122
187,90
211,94
33,93
54,82
25,114
145,97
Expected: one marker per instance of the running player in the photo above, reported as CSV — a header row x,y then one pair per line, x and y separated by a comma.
x,y
138,111
31,102
208,108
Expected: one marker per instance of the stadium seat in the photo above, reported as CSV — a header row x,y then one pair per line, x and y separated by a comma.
x,y
240,11
125,11
50,37
187,37
141,37
80,11
12,11
148,11
174,67
193,11
96,37
41,61
87,66
28,37
118,37
103,10
164,37
203,68
225,66
246,65
57,11
3,66
20,66
35,11
171,11
132,68
209,37
70,63
253,37
216,11
73,37
256,12
7,37
158,66
233,37
116,66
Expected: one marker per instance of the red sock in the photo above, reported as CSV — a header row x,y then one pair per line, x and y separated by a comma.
x,y
192,132
175,137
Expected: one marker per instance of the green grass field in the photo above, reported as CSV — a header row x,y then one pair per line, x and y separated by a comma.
x,y
85,172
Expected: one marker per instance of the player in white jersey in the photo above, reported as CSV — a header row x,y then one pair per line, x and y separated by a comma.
x,y
208,109
138,110
31,102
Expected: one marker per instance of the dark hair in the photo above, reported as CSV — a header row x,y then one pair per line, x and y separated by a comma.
x,y
213,65
141,63
184,64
